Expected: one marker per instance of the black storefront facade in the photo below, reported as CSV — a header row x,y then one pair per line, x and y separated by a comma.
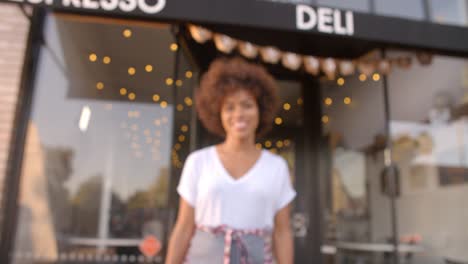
x,y
114,230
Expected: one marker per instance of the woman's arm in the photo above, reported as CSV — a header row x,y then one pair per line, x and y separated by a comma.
x,y
282,238
182,234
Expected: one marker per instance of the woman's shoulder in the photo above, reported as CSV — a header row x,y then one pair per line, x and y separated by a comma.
x,y
200,154
273,160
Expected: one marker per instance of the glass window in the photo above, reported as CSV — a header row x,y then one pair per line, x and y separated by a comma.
x,y
449,11
353,120
413,9
109,128
357,5
429,134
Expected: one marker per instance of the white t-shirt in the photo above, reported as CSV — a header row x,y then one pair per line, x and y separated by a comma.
x,y
248,202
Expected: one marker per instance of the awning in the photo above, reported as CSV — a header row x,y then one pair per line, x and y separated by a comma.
x,y
303,29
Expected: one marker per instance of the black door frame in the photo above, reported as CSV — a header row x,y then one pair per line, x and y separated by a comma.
x,y
312,162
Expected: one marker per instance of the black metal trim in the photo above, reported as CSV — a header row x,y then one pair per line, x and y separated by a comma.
x,y
372,8
15,155
172,198
427,10
313,166
390,171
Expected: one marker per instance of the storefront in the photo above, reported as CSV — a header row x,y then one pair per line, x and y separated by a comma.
x,y
107,120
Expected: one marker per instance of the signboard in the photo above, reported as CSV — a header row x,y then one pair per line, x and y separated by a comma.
x,y
295,17
326,20
107,6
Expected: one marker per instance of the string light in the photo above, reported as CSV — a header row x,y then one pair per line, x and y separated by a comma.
x,y
106,60
376,77
267,143
131,71
127,33
179,83
328,101
123,91
188,101
325,119
174,47
92,57
286,106
100,85
279,144
188,74
163,104
347,100
156,97
312,65
131,96
148,68
180,107
184,128
362,77
169,81
340,81
278,120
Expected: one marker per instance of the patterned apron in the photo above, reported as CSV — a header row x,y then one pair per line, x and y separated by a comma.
x,y
224,245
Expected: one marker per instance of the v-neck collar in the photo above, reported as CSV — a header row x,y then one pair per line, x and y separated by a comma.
x,y
227,175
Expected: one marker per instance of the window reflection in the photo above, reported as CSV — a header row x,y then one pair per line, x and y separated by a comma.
x,y
97,164
401,8
430,151
357,5
449,12
429,139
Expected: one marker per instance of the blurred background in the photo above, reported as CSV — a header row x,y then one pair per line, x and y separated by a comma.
x,y
97,118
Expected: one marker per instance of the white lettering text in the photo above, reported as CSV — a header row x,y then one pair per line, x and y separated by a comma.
x,y
301,12
326,20
91,4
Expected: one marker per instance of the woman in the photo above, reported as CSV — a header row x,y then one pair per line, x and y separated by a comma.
x,y
234,205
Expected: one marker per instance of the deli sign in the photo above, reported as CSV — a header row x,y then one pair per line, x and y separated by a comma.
x,y
325,20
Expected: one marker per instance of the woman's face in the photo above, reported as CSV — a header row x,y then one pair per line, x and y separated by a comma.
x,y
240,115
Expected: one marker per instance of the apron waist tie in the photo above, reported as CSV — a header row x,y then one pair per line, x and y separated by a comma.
x,y
235,235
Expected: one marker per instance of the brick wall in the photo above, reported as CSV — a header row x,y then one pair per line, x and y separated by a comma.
x,y
14,28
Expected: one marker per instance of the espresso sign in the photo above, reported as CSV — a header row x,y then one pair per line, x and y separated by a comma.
x,y
325,20
126,6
